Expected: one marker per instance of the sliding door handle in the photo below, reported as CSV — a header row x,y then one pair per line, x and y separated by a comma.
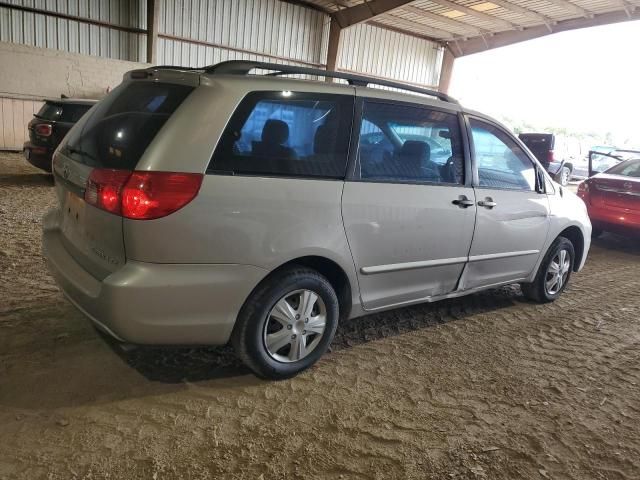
x,y
463,202
487,203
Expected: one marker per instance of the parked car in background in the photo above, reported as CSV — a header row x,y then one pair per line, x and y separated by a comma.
x,y
612,193
49,126
202,206
552,152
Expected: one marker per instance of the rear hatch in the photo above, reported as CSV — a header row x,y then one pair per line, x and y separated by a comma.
x,y
98,157
540,145
60,117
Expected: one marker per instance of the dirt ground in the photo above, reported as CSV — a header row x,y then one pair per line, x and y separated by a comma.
x,y
486,387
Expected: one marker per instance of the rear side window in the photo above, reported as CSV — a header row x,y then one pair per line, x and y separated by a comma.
x,y
287,134
124,123
401,143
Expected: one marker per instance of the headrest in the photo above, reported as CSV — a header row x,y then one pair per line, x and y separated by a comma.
x,y
275,132
416,150
324,140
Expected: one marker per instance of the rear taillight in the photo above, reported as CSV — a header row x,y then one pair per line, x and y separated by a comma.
x,y
104,189
550,156
141,195
43,129
149,195
583,188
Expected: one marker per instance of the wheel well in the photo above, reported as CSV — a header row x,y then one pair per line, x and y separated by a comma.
x,y
574,235
334,273
569,165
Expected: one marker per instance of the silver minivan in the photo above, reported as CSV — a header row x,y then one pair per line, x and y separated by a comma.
x,y
236,204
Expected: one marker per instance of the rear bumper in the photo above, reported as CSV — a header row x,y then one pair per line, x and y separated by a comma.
x,y
154,304
617,221
38,156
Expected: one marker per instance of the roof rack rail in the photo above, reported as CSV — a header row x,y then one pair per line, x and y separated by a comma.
x,y
174,67
243,67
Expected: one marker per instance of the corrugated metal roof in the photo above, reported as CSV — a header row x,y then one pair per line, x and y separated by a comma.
x,y
410,19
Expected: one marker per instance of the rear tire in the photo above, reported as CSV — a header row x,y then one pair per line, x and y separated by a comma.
x,y
553,274
565,176
287,323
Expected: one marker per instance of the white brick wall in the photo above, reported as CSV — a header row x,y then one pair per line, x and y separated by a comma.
x,y
29,74
43,72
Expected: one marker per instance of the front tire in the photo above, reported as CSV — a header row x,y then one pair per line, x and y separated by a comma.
x,y
287,323
553,274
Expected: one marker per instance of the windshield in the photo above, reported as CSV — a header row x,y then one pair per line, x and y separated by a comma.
x,y
123,125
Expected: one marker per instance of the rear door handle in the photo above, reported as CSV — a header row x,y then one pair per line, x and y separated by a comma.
x,y
487,203
463,202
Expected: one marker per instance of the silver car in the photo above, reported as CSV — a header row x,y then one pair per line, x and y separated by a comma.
x,y
207,206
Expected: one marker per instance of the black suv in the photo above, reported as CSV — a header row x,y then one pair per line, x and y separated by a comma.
x,y
49,126
551,152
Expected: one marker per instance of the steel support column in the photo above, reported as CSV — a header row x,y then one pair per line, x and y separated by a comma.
x,y
334,46
446,71
153,18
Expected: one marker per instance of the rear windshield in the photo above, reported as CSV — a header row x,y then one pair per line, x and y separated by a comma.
x,y
123,125
630,168
58,112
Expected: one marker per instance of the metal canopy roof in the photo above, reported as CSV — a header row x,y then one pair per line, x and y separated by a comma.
x,y
470,26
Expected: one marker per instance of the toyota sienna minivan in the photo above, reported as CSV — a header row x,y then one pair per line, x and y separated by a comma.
x,y
235,204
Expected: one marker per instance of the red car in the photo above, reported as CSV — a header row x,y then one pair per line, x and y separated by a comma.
x,y
613,196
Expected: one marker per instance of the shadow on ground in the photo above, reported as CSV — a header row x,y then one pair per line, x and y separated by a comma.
x,y
27,180
612,241
176,365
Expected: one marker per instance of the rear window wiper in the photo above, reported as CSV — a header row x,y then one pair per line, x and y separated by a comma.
x,y
80,152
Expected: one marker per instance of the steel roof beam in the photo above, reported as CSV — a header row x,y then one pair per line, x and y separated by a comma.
x,y
571,6
427,30
629,8
366,11
480,44
524,11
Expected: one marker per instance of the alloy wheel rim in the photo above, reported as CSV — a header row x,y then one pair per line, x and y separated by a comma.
x,y
295,326
557,272
565,176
